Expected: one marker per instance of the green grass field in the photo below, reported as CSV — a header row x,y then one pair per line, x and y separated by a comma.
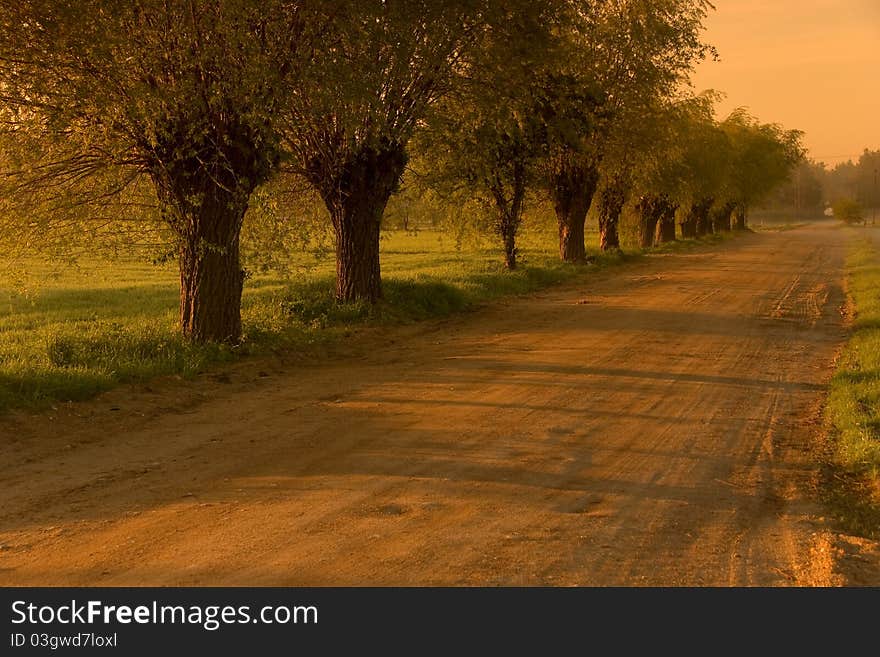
x,y
70,332
854,399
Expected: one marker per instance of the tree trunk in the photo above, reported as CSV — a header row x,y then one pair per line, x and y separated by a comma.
x,y
695,222
204,190
510,251
205,209
572,188
356,227
510,209
739,218
649,214
611,201
689,225
356,198
721,218
666,223
572,246
702,224
211,277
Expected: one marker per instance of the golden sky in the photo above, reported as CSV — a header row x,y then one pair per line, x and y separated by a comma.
x,y
813,65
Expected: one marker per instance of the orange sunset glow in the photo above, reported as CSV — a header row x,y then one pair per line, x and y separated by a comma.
x,y
812,65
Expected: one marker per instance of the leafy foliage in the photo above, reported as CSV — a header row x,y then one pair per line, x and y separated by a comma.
x,y
212,132
849,211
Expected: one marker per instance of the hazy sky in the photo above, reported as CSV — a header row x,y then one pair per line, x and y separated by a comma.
x,y
813,65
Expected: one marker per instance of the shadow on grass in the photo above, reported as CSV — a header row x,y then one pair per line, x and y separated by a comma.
x,y
81,359
37,388
854,377
867,324
313,304
853,500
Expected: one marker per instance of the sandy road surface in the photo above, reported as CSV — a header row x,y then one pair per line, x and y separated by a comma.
x,y
649,425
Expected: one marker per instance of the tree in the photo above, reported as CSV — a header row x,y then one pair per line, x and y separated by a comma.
x,y
487,139
709,164
656,219
490,149
571,160
858,180
347,129
639,161
682,169
624,54
613,192
661,175
102,95
849,211
867,179
762,158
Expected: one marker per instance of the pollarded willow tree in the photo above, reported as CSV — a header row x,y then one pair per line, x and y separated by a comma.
x,y
641,160
624,54
100,96
348,124
653,181
681,170
639,150
763,155
703,151
612,194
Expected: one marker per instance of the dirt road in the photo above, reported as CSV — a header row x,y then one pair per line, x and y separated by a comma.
x,y
651,424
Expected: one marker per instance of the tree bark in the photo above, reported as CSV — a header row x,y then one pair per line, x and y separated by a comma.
x,y
666,223
510,251
694,221
572,188
739,217
649,208
509,206
612,198
358,273
211,277
356,196
721,218
689,225
702,223
205,206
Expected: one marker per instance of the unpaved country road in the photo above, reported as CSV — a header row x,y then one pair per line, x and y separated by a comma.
x,y
652,424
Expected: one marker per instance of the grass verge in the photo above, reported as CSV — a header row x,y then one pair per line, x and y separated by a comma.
x,y
69,334
853,409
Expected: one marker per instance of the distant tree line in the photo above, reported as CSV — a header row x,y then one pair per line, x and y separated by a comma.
x,y
854,186
179,121
814,188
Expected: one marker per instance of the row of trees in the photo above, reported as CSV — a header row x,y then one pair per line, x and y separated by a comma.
x,y
167,117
